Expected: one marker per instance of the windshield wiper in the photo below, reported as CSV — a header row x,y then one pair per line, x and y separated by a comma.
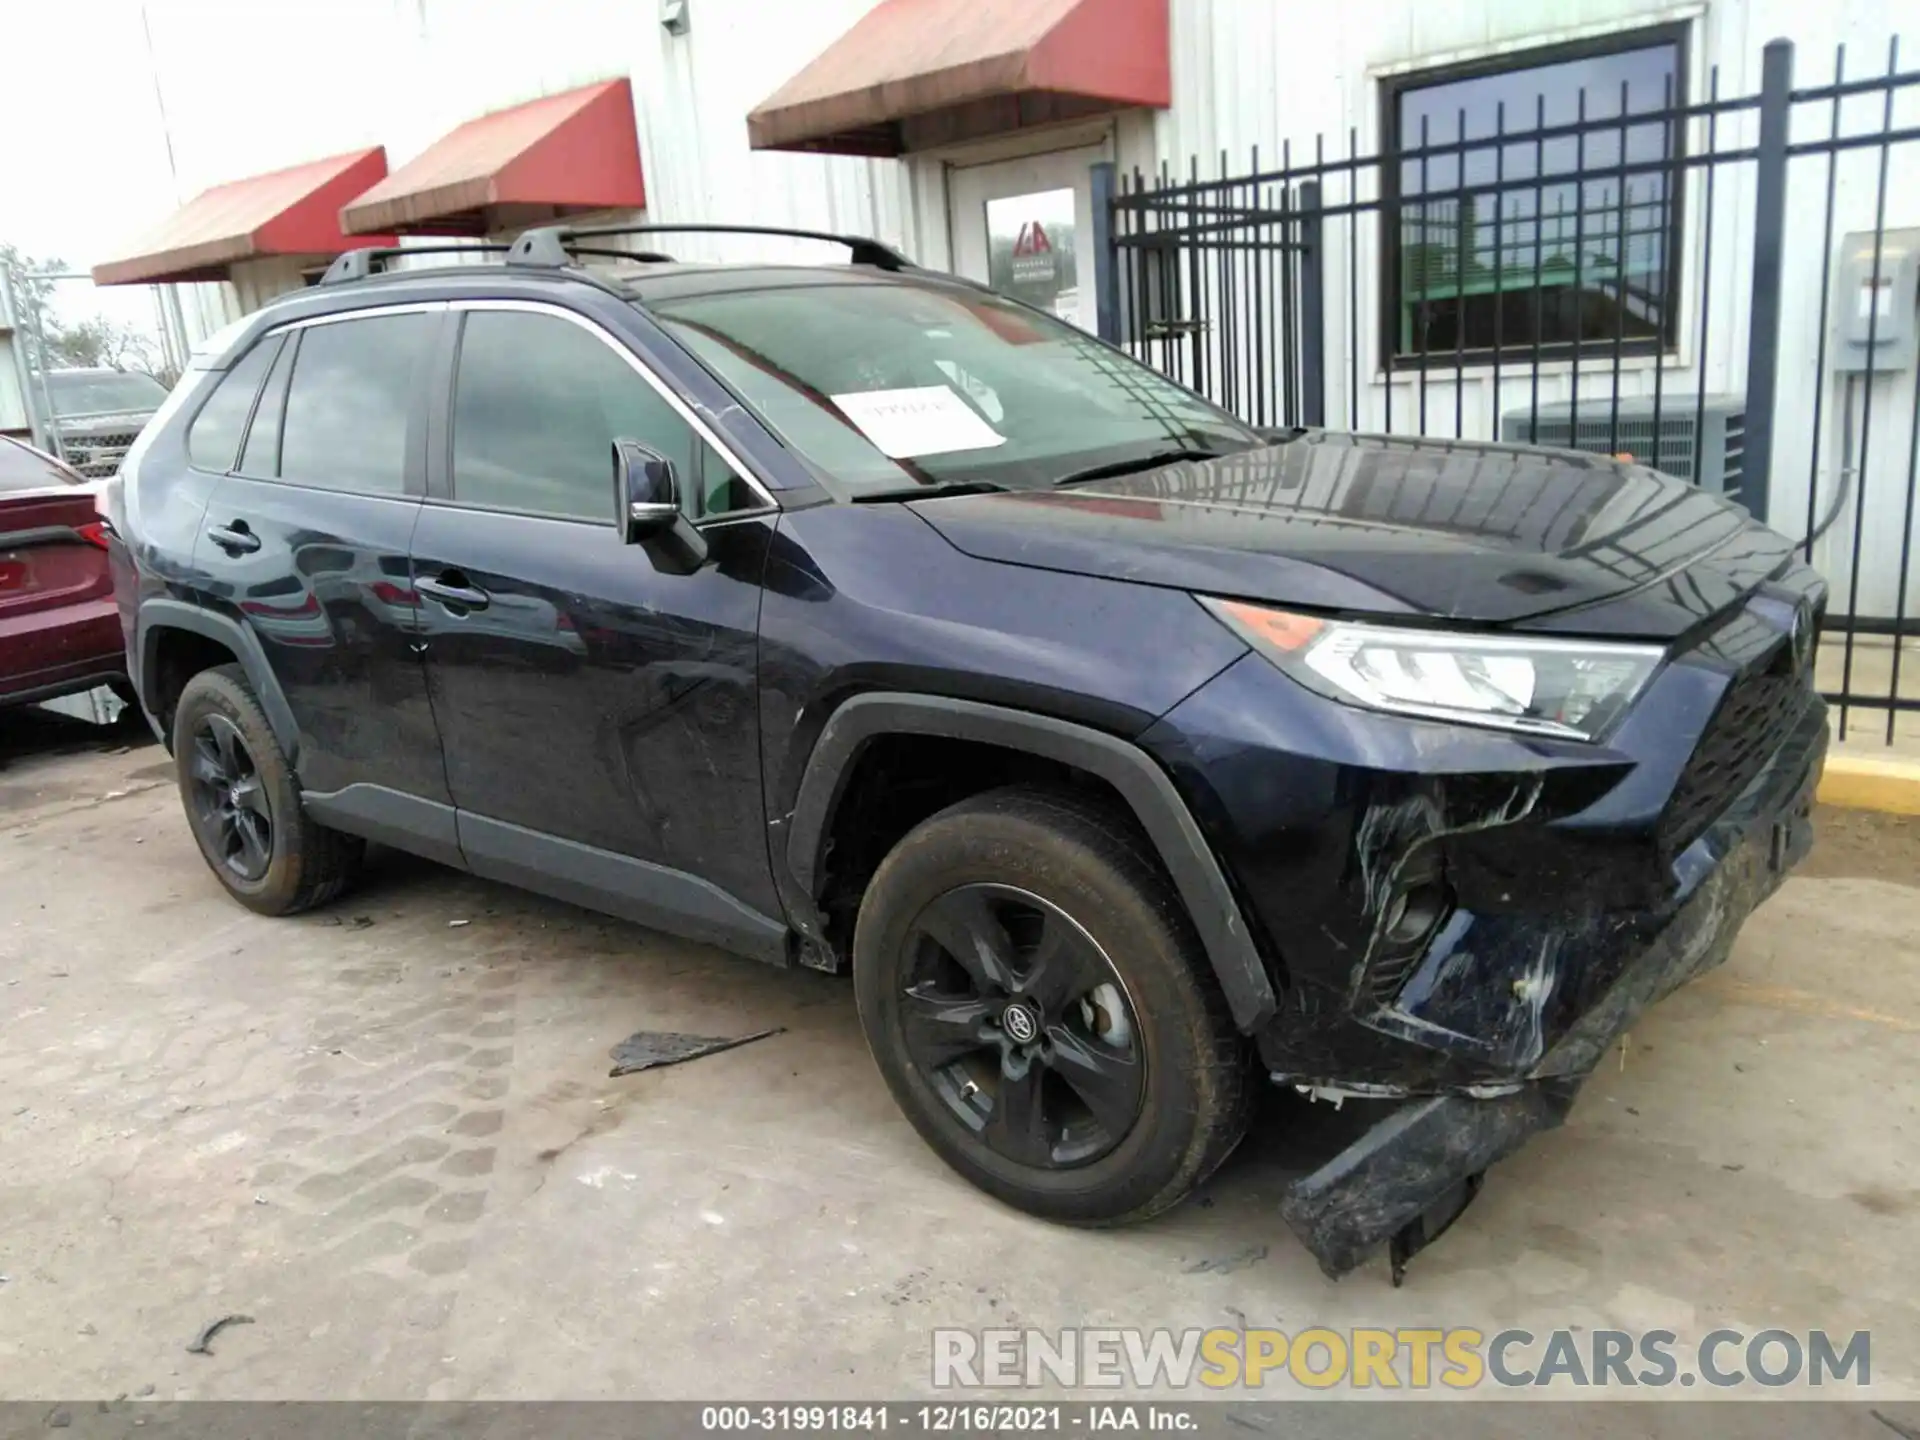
x,y
1138,463
929,492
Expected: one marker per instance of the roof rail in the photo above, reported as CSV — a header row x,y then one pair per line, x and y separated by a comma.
x,y
553,245
373,259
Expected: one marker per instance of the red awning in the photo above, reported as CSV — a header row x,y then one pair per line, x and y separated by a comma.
x,y
293,212
559,155
914,74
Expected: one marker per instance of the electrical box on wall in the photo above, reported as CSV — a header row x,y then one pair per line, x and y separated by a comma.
x,y
1881,305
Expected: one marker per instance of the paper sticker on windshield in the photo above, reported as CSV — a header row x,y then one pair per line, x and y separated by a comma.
x,y
925,420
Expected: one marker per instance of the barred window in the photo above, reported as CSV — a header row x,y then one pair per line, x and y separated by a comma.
x,y
1501,236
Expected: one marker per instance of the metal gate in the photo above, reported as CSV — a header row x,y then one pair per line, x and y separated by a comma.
x,y
1219,285
83,367
1706,285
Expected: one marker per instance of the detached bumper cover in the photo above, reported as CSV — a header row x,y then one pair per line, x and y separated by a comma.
x,y
1410,1173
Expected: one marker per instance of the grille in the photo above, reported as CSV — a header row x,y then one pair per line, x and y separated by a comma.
x,y
1754,719
1390,971
98,457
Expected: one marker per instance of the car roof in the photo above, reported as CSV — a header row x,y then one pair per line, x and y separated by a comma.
x,y
639,282
656,282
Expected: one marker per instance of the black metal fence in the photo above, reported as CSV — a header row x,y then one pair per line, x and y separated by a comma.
x,y
1708,285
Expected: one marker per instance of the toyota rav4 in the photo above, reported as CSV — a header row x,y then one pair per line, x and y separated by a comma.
x,y
858,618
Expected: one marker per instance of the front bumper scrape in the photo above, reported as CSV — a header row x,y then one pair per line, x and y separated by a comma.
x,y
1407,1178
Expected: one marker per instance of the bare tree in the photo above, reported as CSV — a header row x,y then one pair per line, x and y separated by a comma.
x,y
32,289
101,343
93,343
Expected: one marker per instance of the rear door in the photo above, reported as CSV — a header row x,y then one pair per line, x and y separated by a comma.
x,y
598,716
306,540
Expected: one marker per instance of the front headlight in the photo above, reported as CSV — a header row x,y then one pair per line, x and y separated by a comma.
x,y
1570,688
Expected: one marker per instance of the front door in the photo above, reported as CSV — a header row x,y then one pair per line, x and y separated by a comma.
x,y
598,715
1025,227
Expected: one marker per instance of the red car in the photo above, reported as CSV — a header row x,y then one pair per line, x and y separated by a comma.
x,y
59,626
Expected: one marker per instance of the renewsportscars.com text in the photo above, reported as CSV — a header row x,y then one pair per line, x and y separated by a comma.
x,y
1461,1358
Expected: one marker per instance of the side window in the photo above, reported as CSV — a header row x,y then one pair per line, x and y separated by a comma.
x,y
261,456
537,404
721,488
214,437
349,402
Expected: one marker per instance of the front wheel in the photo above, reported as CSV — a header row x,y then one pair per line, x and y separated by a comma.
x,y
1035,997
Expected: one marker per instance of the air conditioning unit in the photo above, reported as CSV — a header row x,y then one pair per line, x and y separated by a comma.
x,y
1703,443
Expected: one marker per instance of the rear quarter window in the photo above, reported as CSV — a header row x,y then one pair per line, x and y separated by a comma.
x,y
214,437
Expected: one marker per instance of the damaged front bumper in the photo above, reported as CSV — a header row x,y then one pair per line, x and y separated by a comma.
x,y
1411,1174
1460,923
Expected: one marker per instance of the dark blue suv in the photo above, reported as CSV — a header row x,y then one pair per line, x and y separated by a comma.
x,y
855,617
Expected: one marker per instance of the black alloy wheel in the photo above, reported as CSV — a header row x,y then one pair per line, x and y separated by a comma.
x,y
229,799
1021,1025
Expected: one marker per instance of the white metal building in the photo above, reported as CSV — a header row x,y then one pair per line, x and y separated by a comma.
x,y
929,111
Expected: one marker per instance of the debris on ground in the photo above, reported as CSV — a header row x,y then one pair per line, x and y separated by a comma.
x,y
648,1049
456,924
204,1339
362,922
1227,1264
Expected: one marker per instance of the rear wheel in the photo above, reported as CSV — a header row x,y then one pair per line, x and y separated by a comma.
x,y
1035,997
244,806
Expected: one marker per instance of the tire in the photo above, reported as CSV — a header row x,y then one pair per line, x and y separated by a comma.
x,y
290,862
1164,1031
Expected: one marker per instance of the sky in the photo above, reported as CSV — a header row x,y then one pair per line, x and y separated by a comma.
x,y
86,151
152,101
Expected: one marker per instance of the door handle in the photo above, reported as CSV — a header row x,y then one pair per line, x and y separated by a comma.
x,y
466,597
235,539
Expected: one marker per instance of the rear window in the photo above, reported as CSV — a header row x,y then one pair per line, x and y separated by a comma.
x,y
22,468
350,401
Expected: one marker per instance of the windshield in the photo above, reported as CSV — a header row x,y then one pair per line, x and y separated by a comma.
x,y
893,385
84,392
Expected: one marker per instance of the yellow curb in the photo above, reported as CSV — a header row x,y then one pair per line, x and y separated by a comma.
x,y
1890,785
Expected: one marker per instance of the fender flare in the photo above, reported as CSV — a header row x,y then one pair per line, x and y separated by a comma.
x,y
157,615
1141,783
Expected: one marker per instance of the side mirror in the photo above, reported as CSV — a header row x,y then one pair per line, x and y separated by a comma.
x,y
646,489
647,504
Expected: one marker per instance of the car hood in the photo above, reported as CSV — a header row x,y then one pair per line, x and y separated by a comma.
x,y
122,422
1487,534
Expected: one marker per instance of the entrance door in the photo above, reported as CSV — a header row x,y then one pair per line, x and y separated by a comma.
x,y
1025,227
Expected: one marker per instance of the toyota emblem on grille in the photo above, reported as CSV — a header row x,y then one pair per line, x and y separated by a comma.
x,y
1802,635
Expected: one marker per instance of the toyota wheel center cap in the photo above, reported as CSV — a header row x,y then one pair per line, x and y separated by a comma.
x,y
1020,1023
